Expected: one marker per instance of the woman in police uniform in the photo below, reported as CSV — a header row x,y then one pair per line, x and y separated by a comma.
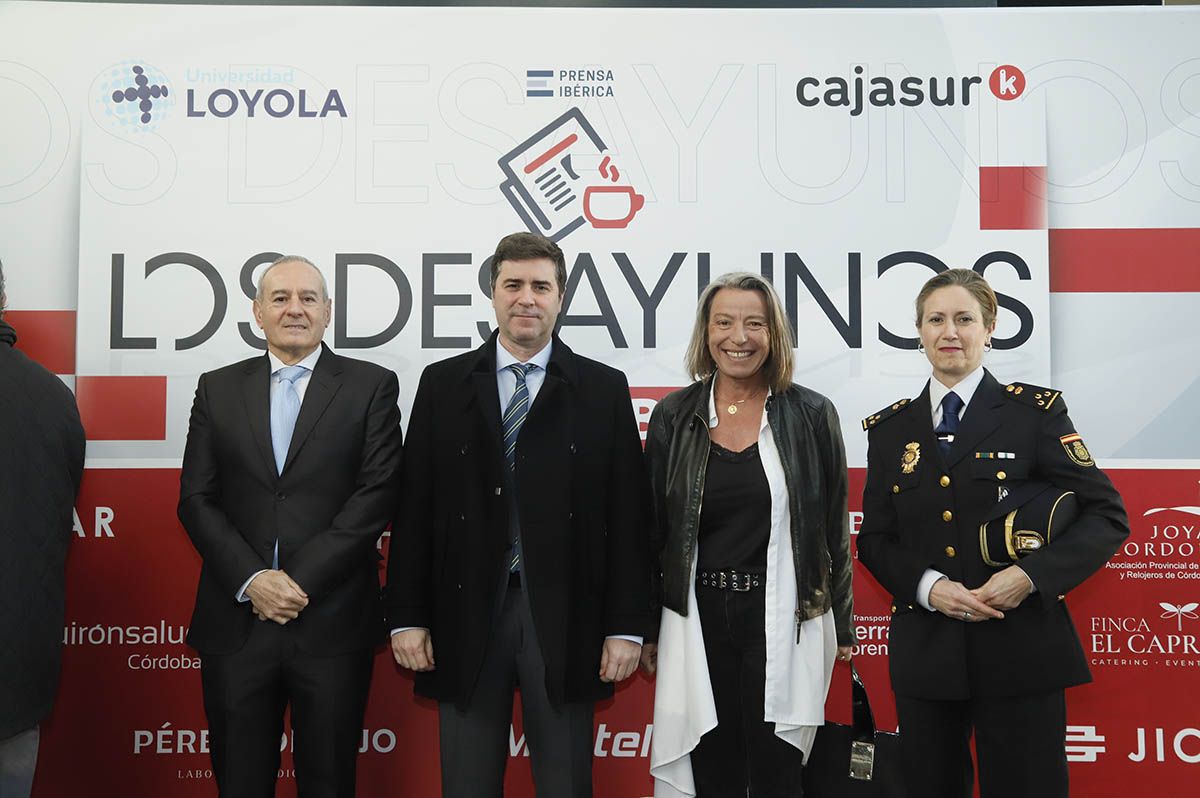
x,y
981,640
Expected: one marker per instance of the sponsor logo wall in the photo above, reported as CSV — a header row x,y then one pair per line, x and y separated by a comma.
x,y
148,178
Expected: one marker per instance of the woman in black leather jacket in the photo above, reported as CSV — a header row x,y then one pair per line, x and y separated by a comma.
x,y
749,478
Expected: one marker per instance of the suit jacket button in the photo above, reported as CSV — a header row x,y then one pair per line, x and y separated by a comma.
x,y
280,496
944,481
464,449
947,515
950,552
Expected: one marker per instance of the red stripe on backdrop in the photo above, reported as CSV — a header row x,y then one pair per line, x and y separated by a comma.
x,y
47,336
1012,198
123,408
1125,260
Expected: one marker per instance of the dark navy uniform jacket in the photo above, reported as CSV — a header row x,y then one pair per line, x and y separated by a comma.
x,y
922,510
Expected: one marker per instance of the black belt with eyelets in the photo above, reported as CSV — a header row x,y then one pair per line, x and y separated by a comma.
x,y
738,581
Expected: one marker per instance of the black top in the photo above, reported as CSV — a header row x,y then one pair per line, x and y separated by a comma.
x,y
735,517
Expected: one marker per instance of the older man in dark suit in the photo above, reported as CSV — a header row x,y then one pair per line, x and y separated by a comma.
x,y
289,477
40,471
519,555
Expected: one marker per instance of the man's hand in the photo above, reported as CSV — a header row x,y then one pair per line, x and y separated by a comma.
x,y
1005,589
845,653
413,649
619,659
276,597
955,601
649,658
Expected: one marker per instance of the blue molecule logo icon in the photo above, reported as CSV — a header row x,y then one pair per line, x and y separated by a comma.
x,y
142,92
135,95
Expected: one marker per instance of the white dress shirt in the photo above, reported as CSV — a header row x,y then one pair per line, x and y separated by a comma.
x,y
301,385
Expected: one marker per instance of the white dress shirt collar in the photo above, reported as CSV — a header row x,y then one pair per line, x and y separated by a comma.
x,y
309,362
504,358
965,388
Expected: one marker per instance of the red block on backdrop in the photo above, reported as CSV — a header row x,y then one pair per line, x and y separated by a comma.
x,y
123,408
1012,198
129,719
1097,261
47,336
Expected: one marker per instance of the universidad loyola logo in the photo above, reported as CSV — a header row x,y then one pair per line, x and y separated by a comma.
x,y
134,95
142,92
561,178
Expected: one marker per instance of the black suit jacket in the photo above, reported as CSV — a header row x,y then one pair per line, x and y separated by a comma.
x,y
583,505
904,532
334,498
40,471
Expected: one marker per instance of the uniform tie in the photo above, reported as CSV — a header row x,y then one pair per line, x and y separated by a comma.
x,y
952,405
510,424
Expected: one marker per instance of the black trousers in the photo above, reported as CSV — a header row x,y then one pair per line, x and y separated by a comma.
x,y
475,742
1020,742
741,756
245,694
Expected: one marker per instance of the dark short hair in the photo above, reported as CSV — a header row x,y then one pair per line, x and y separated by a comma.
x,y
976,286
530,246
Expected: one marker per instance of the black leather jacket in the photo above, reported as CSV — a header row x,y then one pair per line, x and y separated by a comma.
x,y
809,439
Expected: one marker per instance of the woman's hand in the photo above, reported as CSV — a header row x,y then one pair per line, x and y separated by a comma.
x,y
649,658
845,653
1005,589
955,601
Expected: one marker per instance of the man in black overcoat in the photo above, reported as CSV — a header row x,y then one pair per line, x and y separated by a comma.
x,y
519,554
41,464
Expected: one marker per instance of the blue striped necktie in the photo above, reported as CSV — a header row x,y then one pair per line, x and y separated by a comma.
x,y
510,425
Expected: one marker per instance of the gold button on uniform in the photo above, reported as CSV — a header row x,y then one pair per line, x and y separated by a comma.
x,y
1001,475
947,515
895,488
893,609
950,552
944,482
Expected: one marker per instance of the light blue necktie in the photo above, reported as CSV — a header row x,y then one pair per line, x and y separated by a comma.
x,y
285,407
510,425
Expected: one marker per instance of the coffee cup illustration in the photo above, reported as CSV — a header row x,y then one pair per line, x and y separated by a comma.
x,y
611,206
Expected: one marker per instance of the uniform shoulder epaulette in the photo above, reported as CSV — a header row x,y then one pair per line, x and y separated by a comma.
x,y
885,413
1034,396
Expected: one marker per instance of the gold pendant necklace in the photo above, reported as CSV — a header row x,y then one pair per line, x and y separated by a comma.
x,y
732,409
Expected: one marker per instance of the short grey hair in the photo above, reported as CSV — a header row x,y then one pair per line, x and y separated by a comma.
x,y
288,259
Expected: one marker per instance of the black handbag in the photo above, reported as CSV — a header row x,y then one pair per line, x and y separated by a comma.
x,y
857,760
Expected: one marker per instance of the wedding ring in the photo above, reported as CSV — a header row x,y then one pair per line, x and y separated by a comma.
x,y
966,615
